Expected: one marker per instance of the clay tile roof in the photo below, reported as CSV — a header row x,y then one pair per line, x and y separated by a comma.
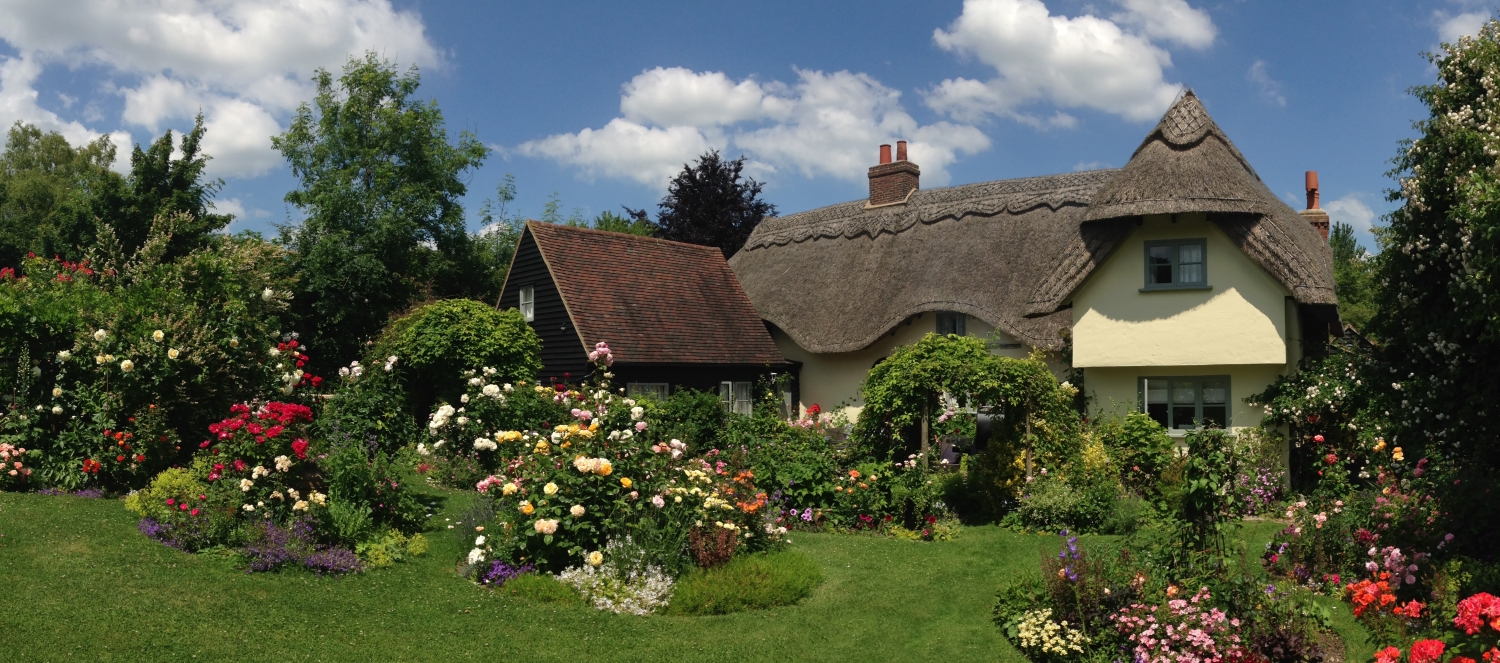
x,y
653,301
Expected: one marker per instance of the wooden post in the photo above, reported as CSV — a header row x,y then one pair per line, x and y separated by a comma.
x,y
926,432
1028,442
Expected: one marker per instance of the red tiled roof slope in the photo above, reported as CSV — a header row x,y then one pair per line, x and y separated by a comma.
x,y
654,301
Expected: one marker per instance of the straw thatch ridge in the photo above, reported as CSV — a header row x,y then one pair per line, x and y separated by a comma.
x,y
1187,164
835,279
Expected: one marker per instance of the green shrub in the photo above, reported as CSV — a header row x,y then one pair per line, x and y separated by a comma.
x,y
751,582
695,417
1141,449
436,342
390,548
1126,516
798,462
176,483
370,404
542,588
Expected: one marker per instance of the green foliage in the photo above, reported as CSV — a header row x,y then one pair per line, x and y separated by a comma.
x,y
167,180
51,193
176,484
372,405
1439,318
751,582
615,223
217,310
799,463
435,343
1141,449
1354,270
379,179
695,417
1207,508
710,203
391,547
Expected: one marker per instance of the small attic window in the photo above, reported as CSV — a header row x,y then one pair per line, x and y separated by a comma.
x,y
1176,264
528,303
949,322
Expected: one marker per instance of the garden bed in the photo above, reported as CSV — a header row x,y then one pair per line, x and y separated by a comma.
x,y
82,585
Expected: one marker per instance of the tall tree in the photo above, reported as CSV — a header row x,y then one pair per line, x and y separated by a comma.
x,y
51,193
379,181
1353,276
163,186
711,203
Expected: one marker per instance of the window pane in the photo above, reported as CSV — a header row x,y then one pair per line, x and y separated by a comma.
x,y
1215,414
1190,253
1159,265
528,303
1184,403
742,401
726,395
1215,392
1156,401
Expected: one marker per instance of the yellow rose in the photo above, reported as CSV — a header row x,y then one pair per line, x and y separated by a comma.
x,y
1396,454
604,468
526,508
542,448
625,481
550,488
509,489
594,425
594,558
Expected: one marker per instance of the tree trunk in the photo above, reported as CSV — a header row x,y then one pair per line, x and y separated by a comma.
x,y
926,430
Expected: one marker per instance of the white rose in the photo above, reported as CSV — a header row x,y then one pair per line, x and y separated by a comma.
x,y
158,335
127,366
57,409
57,392
577,510
100,334
267,294
173,353
64,355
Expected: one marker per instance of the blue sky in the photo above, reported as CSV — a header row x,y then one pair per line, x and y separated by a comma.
x,y
601,102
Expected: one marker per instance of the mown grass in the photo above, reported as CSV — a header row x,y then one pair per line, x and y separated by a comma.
x,y
77,582
752,582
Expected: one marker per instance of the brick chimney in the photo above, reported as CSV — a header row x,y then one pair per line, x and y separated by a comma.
x,y
1317,217
892,182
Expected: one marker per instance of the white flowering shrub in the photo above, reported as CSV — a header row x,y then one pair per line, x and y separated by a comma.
x,y
1042,638
618,580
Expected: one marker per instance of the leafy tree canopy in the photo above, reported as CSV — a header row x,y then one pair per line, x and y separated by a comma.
x,y
380,182
710,203
1353,276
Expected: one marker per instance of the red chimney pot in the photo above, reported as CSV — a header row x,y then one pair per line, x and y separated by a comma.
x,y
885,154
1311,179
901,150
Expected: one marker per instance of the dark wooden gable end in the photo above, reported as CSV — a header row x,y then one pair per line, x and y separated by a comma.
x,y
563,353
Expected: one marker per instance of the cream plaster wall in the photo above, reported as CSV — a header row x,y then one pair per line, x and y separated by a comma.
x,y
1240,319
832,380
1113,391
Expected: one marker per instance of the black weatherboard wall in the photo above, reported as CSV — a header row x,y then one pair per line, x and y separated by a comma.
x,y
562,350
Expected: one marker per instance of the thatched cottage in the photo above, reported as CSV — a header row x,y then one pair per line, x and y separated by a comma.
x,y
1179,284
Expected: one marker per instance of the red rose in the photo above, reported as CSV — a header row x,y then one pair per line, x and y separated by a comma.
x,y
1330,459
120,458
299,447
194,512
1426,651
1318,439
171,501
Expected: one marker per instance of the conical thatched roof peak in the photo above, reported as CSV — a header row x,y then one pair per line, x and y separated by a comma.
x,y
1186,164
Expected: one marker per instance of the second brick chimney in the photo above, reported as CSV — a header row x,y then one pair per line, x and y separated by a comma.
x,y
893,182
1317,217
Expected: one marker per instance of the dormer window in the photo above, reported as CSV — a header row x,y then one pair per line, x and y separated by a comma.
x,y
949,322
528,303
1176,264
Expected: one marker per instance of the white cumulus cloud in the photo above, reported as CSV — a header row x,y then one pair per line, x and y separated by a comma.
x,y
1110,65
1452,26
1351,209
1270,88
244,63
824,124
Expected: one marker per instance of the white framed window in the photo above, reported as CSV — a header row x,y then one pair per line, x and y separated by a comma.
x,y
656,390
528,303
737,397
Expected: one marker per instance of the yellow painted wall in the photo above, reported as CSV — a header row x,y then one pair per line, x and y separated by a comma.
x,y
833,380
1113,390
1240,319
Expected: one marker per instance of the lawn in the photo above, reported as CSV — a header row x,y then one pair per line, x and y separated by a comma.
x,y
77,582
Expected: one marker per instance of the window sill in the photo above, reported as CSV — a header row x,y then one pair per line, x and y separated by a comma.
x,y
1175,288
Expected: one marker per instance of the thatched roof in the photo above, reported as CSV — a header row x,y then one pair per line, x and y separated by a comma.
x,y
1011,252
836,278
1187,164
